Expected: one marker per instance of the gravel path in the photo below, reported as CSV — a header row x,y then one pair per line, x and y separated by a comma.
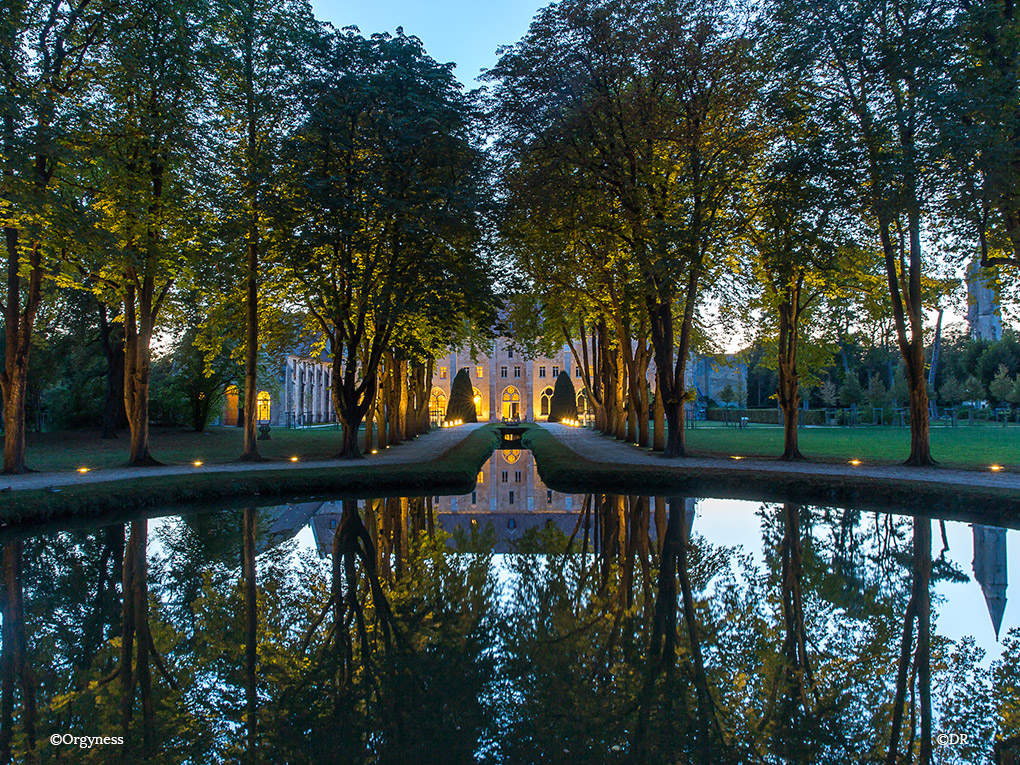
x,y
592,446
421,449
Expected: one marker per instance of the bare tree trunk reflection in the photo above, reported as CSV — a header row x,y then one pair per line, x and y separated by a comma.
x,y
251,618
919,610
15,673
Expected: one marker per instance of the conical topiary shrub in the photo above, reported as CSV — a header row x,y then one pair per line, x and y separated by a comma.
x,y
462,398
563,405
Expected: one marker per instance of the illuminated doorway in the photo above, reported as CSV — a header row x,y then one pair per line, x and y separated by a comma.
x,y
511,403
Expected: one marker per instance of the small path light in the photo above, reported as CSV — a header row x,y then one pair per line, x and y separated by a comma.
x,y
995,468
375,451
84,469
855,463
293,459
198,463
736,457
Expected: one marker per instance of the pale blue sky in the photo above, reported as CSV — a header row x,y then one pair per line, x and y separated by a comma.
x,y
461,31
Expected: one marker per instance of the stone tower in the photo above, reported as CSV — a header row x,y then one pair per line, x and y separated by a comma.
x,y
983,314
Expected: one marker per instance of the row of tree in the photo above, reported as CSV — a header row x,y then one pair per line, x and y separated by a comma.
x,y
213,167
789,166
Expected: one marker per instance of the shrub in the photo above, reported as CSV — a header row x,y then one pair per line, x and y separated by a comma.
x,y
462,398
563,405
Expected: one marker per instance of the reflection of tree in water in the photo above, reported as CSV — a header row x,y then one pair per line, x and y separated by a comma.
x,y
633,638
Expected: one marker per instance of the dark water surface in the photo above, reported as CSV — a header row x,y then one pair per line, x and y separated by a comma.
x,y
513,624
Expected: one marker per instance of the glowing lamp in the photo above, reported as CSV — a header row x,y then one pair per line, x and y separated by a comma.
x,y
995,468
293,459
84,469
855,463
736,457
197,463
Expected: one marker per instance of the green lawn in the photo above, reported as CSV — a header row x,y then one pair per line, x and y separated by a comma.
x,y
69,450
962,446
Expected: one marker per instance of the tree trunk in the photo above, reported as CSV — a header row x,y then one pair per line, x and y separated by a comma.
x,y
250,452
251,618
18,326
789,378
659,423
112,339
137,366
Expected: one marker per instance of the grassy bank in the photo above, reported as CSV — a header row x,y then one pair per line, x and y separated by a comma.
x,y
564,470
452,472
965,446
69,450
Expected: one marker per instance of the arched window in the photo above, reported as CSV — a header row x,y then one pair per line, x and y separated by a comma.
x,y
437,405
262,406
582,403
511,403
546,402
478,402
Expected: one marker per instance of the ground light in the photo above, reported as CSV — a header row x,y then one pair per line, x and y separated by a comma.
x,y
84,469
293,459
375,451
197,463
855,463
995,468
736,457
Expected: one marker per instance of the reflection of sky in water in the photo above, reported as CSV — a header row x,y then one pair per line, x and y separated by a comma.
x,y
960,606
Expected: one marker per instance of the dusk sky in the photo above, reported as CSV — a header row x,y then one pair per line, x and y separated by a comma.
x,y
461,31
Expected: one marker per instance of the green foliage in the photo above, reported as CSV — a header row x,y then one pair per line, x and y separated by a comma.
x,y
851,392
564,404
462,398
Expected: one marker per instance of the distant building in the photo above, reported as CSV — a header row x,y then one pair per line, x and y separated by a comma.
x,y
983,314
506,385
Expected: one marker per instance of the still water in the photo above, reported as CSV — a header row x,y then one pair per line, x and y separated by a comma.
x,y
513,624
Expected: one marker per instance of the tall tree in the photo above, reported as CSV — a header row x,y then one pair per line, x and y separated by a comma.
x,y
46,52
651,104
884,63
142,199
260,48
382,196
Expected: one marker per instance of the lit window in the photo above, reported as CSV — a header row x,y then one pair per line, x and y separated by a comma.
x,y
511,498
502,371
481,475
481,371
556,371
517,371
262,402
545,402
442,373
541,371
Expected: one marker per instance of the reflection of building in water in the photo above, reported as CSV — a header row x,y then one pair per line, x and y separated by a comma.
x,y
509,495
990,570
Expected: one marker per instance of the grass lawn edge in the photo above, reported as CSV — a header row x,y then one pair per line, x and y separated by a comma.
x,y
451,472
562,469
